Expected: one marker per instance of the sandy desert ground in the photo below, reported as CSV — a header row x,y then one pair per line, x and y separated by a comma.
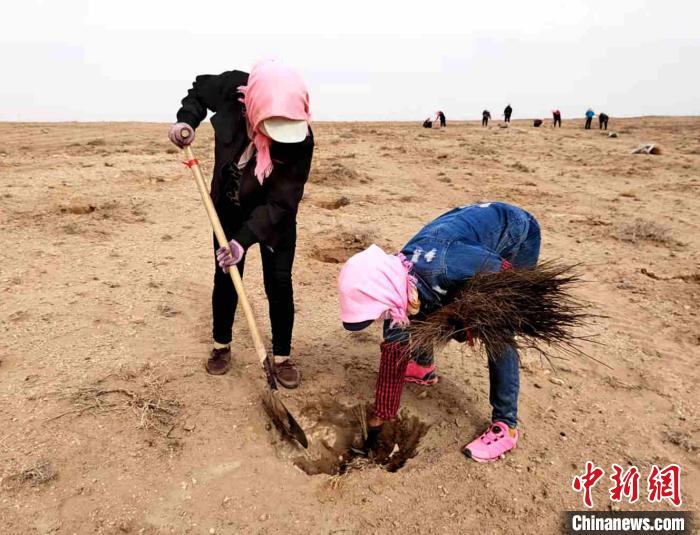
x,y
109,424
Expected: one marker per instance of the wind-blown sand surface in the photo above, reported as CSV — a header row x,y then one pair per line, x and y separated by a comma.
x,y
109,424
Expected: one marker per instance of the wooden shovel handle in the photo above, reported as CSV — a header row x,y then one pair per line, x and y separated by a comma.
x,y
191,162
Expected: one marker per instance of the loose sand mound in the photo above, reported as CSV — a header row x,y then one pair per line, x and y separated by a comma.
x,y
337,247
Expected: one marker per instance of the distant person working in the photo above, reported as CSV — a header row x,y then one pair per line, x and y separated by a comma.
x,y
556,116
485,117
603,120
589,118
507,112
439,116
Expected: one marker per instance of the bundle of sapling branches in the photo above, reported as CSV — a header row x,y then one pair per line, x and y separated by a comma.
x,y
520,307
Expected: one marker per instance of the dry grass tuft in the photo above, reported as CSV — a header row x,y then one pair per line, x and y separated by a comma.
x,y
146,400
640,230
681,439
36,474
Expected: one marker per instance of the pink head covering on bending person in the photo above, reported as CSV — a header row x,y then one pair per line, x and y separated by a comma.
x,y
372,283
273,90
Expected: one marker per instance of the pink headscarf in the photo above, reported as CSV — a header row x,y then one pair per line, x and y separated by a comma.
x,y
372,283
273,90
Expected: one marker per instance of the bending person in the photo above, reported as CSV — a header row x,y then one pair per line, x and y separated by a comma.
x,y
556,116
419,280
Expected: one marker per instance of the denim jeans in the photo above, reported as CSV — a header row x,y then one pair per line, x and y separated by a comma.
x,y
504,369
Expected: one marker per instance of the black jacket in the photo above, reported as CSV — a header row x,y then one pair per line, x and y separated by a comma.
x,y
255,213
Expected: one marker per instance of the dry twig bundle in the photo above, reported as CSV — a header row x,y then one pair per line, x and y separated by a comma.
x,y
147,400
518,307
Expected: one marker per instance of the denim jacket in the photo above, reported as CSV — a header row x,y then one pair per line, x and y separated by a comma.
x,y
458,244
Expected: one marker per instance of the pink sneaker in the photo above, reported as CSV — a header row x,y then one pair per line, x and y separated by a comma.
x,y
490,446
421,375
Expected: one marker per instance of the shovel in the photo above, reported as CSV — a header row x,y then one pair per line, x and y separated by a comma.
x,y
273,403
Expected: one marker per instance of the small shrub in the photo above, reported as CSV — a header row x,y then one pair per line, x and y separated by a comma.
x,y
41,472
640,230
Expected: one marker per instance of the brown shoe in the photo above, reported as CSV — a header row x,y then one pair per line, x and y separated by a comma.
x,y
219,361
287,374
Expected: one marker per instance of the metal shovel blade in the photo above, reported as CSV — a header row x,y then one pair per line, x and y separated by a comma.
x,y
283,418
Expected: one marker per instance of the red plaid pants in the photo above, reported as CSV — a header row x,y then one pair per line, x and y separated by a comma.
x,y
392,369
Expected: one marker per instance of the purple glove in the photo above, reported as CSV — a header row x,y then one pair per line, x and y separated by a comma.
x,y
226,259
176,134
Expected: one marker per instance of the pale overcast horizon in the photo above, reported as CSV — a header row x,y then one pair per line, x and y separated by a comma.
x,y
87,60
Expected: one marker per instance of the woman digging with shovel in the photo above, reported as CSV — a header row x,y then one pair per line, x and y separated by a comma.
x,y
470,274
263,150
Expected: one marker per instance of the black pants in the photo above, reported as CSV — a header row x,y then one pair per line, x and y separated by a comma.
x,y
604,123
588,123
557,121
484,121
277,278
508,118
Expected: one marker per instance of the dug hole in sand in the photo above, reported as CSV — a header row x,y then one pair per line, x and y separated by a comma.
x,y
333,429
